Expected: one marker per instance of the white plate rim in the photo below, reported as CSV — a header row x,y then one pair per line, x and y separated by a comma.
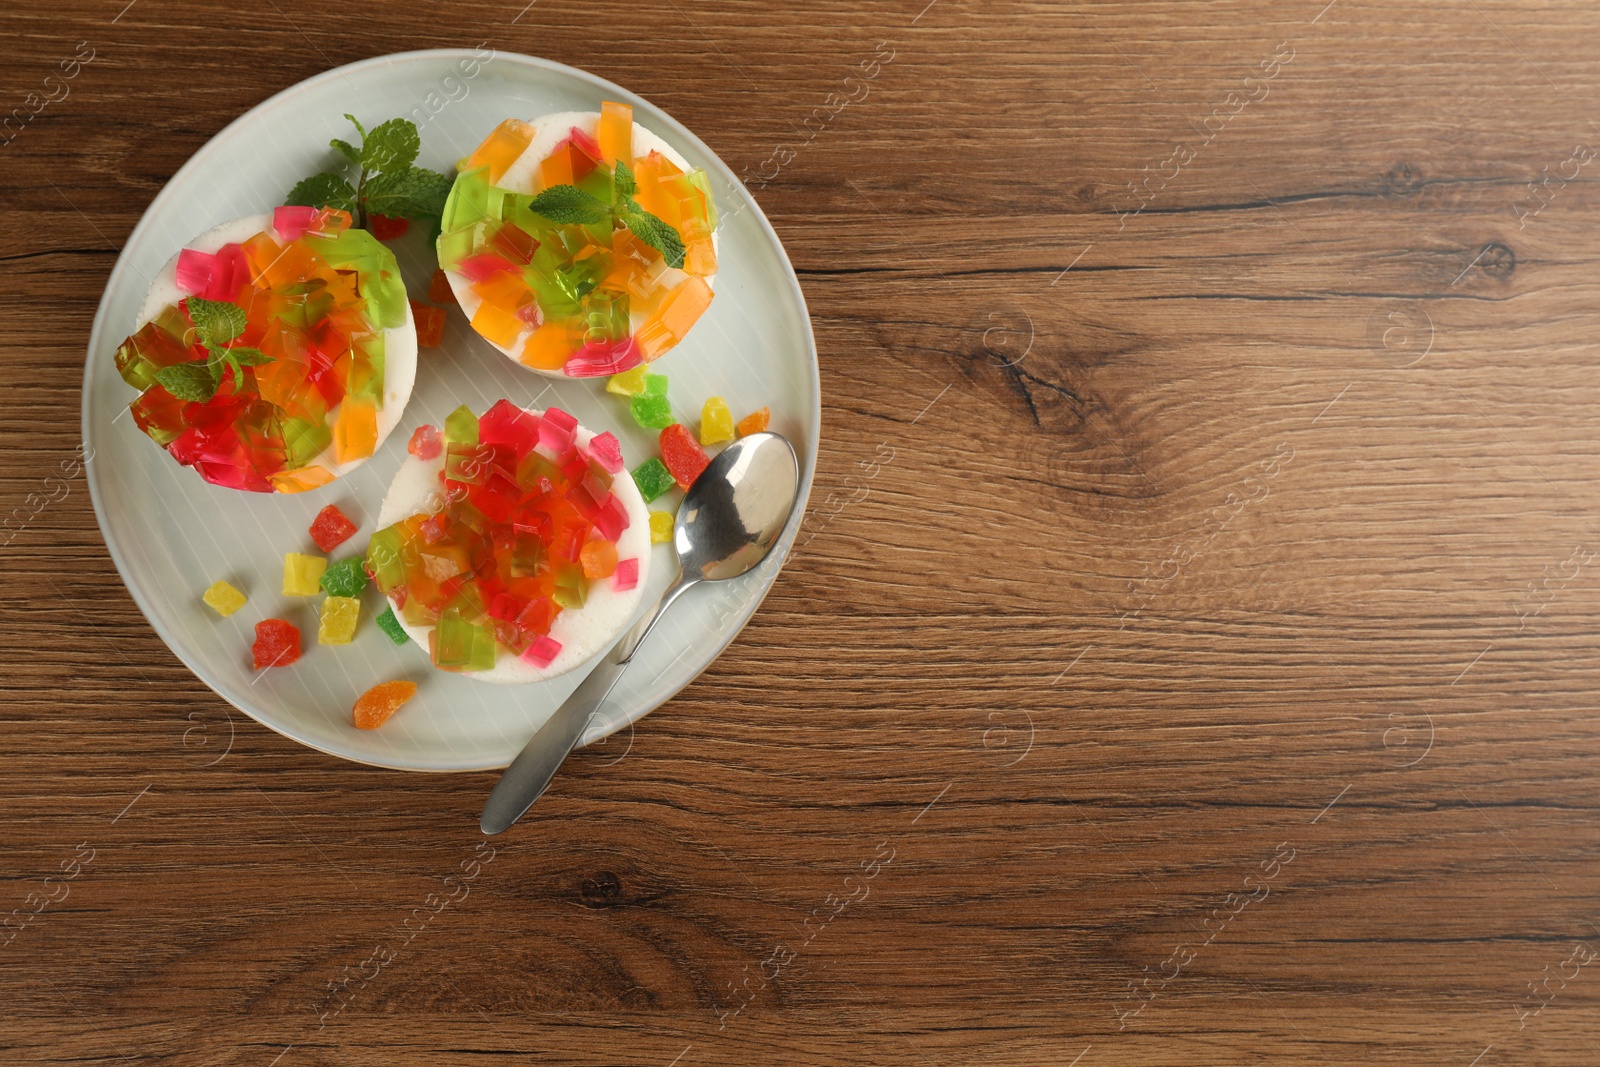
x,y
767,573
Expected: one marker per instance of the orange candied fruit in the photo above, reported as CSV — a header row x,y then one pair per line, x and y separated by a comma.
x,y
501,148
755,422
374,707
439,290
430,324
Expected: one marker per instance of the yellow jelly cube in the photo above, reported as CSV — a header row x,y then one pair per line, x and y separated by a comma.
x,y
501,148
337,625
629,382
615,132
660,527
302,573
355,431
224,598
716,422
298,481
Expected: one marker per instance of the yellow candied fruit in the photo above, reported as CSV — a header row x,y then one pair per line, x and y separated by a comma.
x,y
716,422
629,382
298,481
224,598
660,527
337,624
301,574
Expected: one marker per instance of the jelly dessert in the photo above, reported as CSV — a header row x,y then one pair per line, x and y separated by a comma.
x,y
275,353
580,244
517,550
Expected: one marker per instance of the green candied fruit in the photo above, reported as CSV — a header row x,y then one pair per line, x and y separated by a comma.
x,y
461,427
655,385
571,588
384,559
651,410
345,578
653,478
391,626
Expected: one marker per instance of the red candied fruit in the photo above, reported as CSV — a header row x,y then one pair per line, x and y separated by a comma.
x,y
439,290
425,442
682,454
331,528
386,229
430,324
277,644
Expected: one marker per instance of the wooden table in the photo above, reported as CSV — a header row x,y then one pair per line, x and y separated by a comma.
x,y
1190,656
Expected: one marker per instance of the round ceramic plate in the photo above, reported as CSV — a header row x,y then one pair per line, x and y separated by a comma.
x,y
172,534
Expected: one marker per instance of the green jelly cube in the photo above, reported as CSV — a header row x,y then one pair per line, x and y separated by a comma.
x,y
655,385
651,410
653,478
304,441
391,626
571,589
345,578
461,427
462,645
383,556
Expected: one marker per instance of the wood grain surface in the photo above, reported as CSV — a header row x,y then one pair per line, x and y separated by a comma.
x,y
1191,654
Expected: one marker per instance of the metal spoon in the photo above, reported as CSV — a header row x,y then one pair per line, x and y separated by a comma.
x,y
728,522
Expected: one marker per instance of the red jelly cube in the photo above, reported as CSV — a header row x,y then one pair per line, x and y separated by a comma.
x,y
277,644
556,430
508,424
196,269
606,450
682,454
542,651
610,518
626,576
430,324
439,290
386,229
477,268
292,222
331,528
425,442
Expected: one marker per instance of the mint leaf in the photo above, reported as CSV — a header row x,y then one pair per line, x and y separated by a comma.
x,y
391,146
347,150
248,357
323,190
413,193
622,183
567,205
655,233
357,124
216,322
188,381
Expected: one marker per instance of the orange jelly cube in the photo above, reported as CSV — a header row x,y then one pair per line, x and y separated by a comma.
x,y
355,431
599,559
700,256
498,325
550,347
298,481
501,148
615,132
504,289
261,252
556,169
669,323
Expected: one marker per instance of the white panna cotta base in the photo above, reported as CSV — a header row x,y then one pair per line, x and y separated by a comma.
x,y
399,342
582,632
549,131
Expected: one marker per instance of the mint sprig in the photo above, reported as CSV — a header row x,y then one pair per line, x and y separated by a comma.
x,y
216,322
568,205
387,180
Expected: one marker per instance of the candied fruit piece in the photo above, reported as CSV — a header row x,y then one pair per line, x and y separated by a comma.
x,y
277,644
224,598
716,422
425,442
542,651
629,382
651,410
607,451
385,228
655,384
391,626
331,528
661,523
599,559
755,422
652,478
301,574
626,576
355,431
682,454
337,623
345,578
430,324
439,290
373,708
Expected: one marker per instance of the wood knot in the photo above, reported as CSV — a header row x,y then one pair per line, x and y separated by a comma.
x,y
1403,179
604,888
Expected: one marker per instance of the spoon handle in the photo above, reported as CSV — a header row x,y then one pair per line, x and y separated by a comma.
x,y
530,773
